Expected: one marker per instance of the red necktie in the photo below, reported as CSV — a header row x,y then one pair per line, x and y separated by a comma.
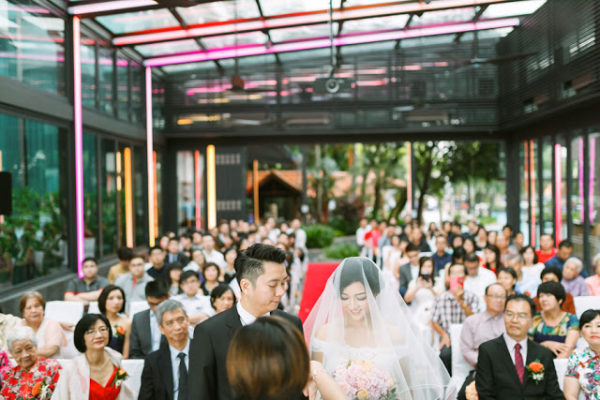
x,y
519,362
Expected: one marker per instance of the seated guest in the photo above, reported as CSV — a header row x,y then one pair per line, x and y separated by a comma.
x,y
192,298
197,262
173,253
572,280
165,373
268,360
134,282
228,272
421,293
48,333
565,250
593,282
452,307
553,328
211,273
547,249
122,267
410,270
491,256
507,277
501,364
478,278
440,257
222,298
530,261
145,334
33,374
175,271
112,305
553,274
583,365
157,268
481,327
210,254
526,283
89,287
95,374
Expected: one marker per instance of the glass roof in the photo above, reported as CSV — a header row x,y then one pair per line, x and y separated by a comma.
x,y
274,7
373,24
138,21
512,8
219,11
281,35
217,42
154,49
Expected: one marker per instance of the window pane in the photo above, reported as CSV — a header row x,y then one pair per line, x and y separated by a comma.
x,y
88,72
109,196
106,78
139,196
122,85
90,196
137,84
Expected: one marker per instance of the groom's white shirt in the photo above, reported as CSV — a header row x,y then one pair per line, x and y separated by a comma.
x,y
245,317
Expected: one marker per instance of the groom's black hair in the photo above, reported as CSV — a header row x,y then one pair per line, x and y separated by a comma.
x,y
249,263
357,269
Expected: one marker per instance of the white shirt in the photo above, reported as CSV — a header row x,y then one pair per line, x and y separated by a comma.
x,y
360,236
300,239
510,344
414,271
175,365
215,257
154,332
195,305
245,317
477,285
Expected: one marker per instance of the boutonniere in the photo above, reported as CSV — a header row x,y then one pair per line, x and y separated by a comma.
x,y
536,371
119,331
120,377
40,391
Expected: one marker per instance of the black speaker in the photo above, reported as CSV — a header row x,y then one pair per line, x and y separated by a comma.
x,y
5,193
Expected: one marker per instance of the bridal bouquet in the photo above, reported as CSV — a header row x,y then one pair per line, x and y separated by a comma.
x,y
361,380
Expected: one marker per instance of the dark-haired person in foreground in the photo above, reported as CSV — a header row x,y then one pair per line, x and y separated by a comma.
x,y
508,367
263,281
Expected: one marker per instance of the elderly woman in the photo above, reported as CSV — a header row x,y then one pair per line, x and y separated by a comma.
x,y
49,334
583,366
593,282
33,377
96,374
572,280
553,328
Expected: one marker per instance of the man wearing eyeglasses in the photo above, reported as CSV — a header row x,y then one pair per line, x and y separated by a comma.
x,y
512,366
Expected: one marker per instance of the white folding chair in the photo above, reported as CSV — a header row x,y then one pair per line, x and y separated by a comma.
x,y
560,365
584,303
93,308
64,311
134,369
136,307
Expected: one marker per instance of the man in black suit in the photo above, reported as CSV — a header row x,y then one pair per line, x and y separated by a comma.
x,y
145,334
410,270
165,374
502,362
263,279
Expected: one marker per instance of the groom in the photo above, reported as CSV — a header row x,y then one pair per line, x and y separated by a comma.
x,y
263,281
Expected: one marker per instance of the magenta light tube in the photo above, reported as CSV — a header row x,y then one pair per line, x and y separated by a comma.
x,y
291,20
581,197
108,6
369,37
78,129
592,177
149,156
558,191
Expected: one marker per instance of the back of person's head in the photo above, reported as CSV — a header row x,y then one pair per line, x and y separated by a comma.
x,y
566,244
556,289
84,324
268,360
156,289
124,253
249,264
411,247
551,270
471,257
458,254
361,270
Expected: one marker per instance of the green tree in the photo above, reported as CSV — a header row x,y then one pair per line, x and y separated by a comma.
x,y
431,168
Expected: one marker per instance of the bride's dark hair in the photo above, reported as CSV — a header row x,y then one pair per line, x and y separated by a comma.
x,y
357,269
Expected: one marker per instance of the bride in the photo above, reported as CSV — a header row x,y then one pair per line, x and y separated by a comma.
x,y
360,331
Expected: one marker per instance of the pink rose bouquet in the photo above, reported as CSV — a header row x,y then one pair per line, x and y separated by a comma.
x,y
361,380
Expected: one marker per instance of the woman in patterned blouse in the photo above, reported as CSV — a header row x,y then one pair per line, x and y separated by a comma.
x,y
583,368
33,377
553,328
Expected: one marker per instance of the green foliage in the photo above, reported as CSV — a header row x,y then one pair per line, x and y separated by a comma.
x,y
343,226
319,236
346,216
341,251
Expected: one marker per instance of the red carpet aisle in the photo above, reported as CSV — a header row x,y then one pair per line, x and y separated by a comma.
x,y
314,283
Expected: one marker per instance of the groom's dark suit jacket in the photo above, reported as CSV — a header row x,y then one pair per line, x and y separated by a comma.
x,y
496,376
208,353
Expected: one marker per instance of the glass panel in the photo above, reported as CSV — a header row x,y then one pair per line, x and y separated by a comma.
x,y
443,16
359,49
301,32
256,61
547,155
200,66
108,175
594,183
139,196
137,94
90,196
138,21
149,50
122,87
159,197
219,11
31,45
185,189
275,7
88,71
576,171
564,167
372,24
107,72
216,42
10,149
512,8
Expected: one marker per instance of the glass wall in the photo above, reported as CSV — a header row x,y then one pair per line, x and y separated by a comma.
x,y
140,188
32,238
105,78
108,178
90,196
185,189
594,183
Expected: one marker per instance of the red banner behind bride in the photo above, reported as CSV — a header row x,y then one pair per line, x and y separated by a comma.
x,y
314,283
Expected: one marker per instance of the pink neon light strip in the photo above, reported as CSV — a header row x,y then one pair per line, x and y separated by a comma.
x,y
149,156
260,49
198,191
592,177
275,22
108,6
78,129
558,191
581,197
532,238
